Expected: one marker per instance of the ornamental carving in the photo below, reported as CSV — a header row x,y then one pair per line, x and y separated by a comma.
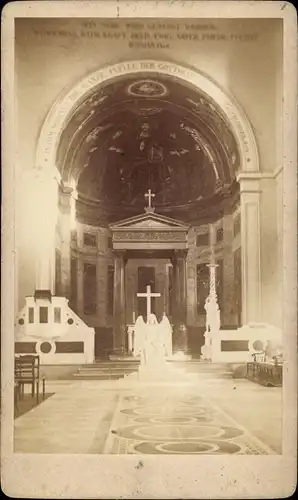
x,y
150,236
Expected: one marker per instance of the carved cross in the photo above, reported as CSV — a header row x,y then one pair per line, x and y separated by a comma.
x,y
149,195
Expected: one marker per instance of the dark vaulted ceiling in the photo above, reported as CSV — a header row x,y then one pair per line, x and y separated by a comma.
x,y
148,131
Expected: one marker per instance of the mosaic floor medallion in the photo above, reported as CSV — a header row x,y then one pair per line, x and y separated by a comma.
x,y
165,423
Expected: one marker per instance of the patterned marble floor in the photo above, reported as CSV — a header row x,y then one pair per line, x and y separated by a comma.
x,y
167,423
101,417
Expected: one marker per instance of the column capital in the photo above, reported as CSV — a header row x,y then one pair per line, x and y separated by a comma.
x,y
65,197
249,182
120,254
181,254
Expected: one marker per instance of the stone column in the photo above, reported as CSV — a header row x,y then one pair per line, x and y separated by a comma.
x,y
160,287
191,294
182,292
101,290
80,286
168,266
119,302
65,200
228,316
131,292
43,220
250,247
180,342
175,290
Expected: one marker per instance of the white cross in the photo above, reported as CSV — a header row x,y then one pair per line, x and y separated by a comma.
x,y
149,195
148,296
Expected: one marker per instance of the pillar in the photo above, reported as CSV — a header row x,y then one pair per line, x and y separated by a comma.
x,y
191,294
175,289
250,248
119,302
180,341
80,286
101,290
160,287
228,316
65,201
131,289
182,286
44,192
168,305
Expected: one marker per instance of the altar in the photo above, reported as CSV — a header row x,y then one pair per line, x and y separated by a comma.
x,y
145,241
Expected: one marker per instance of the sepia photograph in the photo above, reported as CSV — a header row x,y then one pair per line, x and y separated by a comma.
x,y
148,203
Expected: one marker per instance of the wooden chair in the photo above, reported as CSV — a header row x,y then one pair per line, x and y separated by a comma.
x,y
27,371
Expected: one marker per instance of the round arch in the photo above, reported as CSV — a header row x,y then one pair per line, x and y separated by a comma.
x,y
64,106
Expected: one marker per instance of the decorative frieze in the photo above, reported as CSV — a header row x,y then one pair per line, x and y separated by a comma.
x,y
149,236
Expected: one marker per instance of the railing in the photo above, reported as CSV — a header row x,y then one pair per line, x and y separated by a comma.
x,y
269,374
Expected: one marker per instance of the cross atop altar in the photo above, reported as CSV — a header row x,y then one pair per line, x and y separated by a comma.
x,y
148,295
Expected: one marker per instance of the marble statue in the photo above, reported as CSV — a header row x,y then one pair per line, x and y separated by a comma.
x,y
168,334
212,325
212,315
153,340
139,336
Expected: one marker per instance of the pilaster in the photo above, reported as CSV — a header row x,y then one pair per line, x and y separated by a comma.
x,y
160,287
191,293
250,247
80,286
227,314
101,290
44,220
65,200
119,301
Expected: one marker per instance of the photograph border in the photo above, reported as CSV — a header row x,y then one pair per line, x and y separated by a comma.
x,y
109,476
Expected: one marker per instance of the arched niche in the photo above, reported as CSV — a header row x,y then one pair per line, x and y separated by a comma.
x,y
64,106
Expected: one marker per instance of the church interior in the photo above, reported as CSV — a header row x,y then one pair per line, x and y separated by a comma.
x,y
149,182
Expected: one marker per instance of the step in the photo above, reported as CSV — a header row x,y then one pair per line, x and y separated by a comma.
x,y
105,373
80,376
112,368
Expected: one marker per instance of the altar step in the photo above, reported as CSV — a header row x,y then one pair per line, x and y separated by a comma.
x,y
115,370
106,370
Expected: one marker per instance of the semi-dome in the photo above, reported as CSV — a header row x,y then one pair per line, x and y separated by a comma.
x,y
148,131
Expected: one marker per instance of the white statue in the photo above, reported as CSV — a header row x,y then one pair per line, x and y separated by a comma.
x,y
154,345
212,314
139,336
153,340
168,333
212,325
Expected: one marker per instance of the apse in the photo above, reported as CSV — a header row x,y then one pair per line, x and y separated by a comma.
x,y
149,131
